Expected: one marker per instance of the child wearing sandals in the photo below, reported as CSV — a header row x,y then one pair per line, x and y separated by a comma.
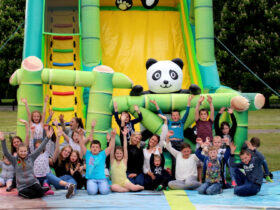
x,y
27,184
118,159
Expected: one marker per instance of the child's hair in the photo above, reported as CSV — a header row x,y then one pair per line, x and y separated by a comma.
x,y
212,148
129,117
118,148
216,138
203,110
244,151
158,138
60,154
95,142
13,149
135,134
53,138
36,111
255,141
80,122
175,110
224,123
157,157
185,145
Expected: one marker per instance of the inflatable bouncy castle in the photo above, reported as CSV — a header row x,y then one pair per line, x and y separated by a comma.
x,y
85,54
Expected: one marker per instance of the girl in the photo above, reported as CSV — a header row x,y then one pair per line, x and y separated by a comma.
x,y
186,167
125,121
60,163
118,159
76,169
36,119
95,164
135,160
27,185
7,174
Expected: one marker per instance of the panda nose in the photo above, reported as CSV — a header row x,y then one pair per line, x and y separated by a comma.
x,y
165,82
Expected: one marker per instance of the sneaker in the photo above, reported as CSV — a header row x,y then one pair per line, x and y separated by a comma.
x,y
268,179
9,189
49,192
166,188
70,192
45,189
233,183
159,188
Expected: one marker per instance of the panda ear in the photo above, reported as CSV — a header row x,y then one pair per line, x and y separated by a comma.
x,y
150,62
179,62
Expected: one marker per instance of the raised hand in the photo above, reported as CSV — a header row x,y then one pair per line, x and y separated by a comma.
x,y
222,110
232,148
108,137
59,132
190,99
24,100
93,123
209,99
115,106
249,145
46,127
113,133
55,122
49,132
23,121
51,112
2,137
201,98
170,133
136,108
47,99
230,110
125,131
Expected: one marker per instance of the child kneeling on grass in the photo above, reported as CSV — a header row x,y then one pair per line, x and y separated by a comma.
x,y
95,165
250,183
212,185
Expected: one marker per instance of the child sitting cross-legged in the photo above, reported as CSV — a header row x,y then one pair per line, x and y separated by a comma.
x,y
186,167
7,173
251,161
118,159
95,164
213,165
160,176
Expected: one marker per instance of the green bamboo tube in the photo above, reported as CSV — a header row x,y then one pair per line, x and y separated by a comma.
x,y
204,31
256,100
28,77
91,46
191,16
122,81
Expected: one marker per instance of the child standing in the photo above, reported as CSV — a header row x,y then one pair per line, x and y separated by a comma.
x,y
203,124
186,167
213,165
250,183
125,121
7,174
95,164
27,184
160,176
118,159
36,119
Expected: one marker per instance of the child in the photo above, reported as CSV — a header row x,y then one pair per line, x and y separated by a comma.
x,y
256,142
186,167
225,131
76,169
250,183
36,119
27,185
95,164
204,125
7,174
125,121
212,185
118,159
160,176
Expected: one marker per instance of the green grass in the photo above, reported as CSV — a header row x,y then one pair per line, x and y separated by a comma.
x,y
258,120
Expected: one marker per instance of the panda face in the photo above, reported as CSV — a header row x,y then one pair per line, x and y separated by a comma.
x,y
164,77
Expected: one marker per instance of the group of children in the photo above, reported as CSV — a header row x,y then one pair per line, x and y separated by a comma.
x,y
132,167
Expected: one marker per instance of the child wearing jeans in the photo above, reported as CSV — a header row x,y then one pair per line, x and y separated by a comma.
x,y
7,173
186,167
250,183
212,185
95,164
203,124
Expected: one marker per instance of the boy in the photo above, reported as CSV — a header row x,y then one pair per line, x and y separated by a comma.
x,y
214,167
203,124
250,183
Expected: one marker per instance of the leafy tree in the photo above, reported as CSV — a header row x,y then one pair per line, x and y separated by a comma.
x,y
250,29
11,16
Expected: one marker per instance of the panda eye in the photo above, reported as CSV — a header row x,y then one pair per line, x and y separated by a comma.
x,y
173,74
156,75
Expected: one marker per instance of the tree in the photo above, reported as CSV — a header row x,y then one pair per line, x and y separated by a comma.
x,y
11,16
250,29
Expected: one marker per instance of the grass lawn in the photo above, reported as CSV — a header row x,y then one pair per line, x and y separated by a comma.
x,y
262,121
